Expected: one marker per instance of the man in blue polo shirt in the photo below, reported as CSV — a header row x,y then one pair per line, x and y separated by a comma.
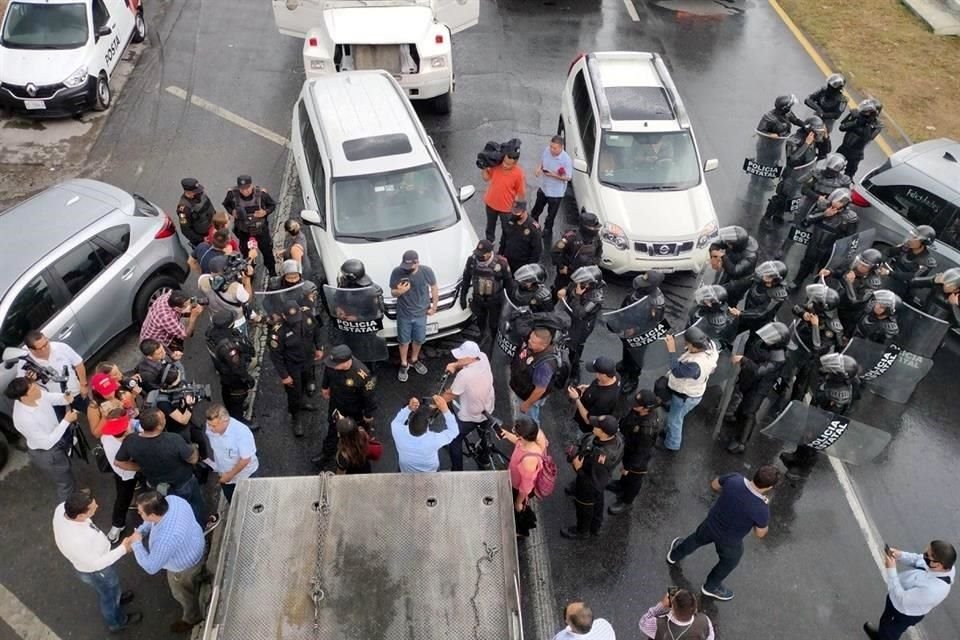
x,y
555,171
741,507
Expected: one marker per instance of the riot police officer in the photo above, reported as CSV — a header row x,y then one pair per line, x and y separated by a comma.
x,y
760,368
251,207
764,294
829,103
580,247
350,390
943,301
353,275
583,297
777,122
639,428
296,344
831,220
291,277
530,290
855,285
718,319
194,211
522,240
644,285
232,352
488,275
859,127
823,181
596,456
815,332
911,259
878,322
356,316
836,391
735,251
801,152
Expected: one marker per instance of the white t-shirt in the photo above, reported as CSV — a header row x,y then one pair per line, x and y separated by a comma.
x,y
61,354
230,447
111,444
473,387
83,544
601,630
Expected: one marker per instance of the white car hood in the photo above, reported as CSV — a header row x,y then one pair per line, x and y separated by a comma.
x,y
380,25
659,215
39,66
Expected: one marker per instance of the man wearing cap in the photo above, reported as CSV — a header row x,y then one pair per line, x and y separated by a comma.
x,y
194,211
250,205
350,390
640,428
555,171
296,343
473,389
505,183
522,240
599,398
687,380
415,287
597,455
487,274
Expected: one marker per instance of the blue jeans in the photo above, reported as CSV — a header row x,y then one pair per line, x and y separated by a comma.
x,y
679,408
534,413
107,585
728,555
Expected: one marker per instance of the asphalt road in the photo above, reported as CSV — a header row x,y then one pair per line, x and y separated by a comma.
x,y
813,576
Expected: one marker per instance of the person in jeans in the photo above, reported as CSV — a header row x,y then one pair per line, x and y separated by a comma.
x,y
741,508
417,445
581,625
687,380
415,287
529,446
232,447
555,171
506,183
114,429
676,616
88,550
473,388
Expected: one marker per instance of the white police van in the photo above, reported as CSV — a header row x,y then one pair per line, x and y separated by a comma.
x,y
57,56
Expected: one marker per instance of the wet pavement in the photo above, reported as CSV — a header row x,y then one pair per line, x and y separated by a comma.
x,y
813,576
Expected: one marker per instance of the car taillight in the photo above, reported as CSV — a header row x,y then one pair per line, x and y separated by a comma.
x,y
579,55
167,230
857,198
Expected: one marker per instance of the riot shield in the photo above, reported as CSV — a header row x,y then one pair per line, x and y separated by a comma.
x,y
730,383
273,302
762,167
837,436
846,249
509,335
793,178
356,318
795,247
888,371
920,334
637,326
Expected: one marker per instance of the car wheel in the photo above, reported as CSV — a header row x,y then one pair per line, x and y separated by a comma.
x,y
443,104
104,97
139,27
150,291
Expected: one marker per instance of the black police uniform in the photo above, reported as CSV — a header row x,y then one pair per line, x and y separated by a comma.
x,y
521,242
630,366
232,353
826,230
820,183
760,302
874,329
858,131
247,226
718,323
778,123
195,216
853,295
277,283
807,344
539,298
576,248
828,103
760,369
834,394
905,265
798,154
739,260
937,303
639,435
584,311
293,346
352,395
488,280
600,458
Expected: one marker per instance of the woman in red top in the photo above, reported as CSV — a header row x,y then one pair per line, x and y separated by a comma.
x,y
529,445
220,221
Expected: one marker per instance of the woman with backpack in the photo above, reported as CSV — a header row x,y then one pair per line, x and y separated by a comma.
x,y
530,471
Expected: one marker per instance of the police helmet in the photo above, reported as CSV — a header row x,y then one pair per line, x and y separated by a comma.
x,y
709,295
951,278
587,275
783,104
886,299
770,269
227,350
868,258
308,288
925,234
839,196
839,365
590,220
696,337
734,236
647,282
834,164
822,297
836,81
290,267
815,123
530,275
774,334
352,270
868,108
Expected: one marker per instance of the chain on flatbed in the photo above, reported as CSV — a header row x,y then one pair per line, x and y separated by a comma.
x,y
317,593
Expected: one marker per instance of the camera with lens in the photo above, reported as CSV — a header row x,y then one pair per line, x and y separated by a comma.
x,y
579,450
236,268
177,396
200,301
129,383
494,152
43,374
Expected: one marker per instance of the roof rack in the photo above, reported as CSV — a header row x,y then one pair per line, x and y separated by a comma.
x,y
672,94
606,121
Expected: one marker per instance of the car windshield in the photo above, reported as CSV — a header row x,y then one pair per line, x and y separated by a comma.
x,y
45,26
391,205
648,161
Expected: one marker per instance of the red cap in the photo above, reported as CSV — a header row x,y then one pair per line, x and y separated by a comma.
x,y
103,384
115,426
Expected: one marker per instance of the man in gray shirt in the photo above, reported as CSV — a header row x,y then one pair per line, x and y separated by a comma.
x,y
415,287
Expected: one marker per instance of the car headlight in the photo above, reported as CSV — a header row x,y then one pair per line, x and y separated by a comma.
x,y
438,61
613,234
318,65
706,234
76,78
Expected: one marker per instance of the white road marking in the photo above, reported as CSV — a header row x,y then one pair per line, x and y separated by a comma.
x,y
632,10
229,116
18,460
19,618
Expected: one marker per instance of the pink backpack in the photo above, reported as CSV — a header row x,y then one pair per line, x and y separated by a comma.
x,y
546,476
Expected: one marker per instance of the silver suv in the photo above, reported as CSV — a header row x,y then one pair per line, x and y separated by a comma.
x,y
82,261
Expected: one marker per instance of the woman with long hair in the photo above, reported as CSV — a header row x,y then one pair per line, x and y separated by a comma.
x,y
104,387
352,448
529,445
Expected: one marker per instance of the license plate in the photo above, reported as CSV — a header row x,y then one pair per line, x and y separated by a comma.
x,y
34,105
433,328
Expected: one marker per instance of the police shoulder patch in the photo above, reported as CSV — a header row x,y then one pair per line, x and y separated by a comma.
x,y
371,384
496,267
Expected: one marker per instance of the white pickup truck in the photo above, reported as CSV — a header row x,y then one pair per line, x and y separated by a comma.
x,y
408,38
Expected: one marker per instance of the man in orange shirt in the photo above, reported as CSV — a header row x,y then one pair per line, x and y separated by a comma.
x,y
506,184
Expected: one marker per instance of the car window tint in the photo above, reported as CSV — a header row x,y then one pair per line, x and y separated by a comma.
x,y
917,205
581,99
312,156
79,267
118,238
31,309
950,233
100,14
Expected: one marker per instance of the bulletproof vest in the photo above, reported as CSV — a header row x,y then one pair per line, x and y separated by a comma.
x,y
487,278
824,185
863,286
588,306
760,295
521,369
792,144
774,122
827,230
244,209
908,262
937,305
833,395
719,318
582,251
197,215
830,100
876,329
641,431
759,353
538,299
830,332
226,366
216,334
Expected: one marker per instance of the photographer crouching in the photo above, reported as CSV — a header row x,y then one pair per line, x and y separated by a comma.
x,y
164,321
506,182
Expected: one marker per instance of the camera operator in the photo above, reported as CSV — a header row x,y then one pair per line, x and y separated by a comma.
x,y
155,360
195,211
177,401
164,321
57,357
593,459
228,286
674,616
506,184
232,353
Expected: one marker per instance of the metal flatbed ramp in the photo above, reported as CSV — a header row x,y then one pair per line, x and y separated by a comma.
x,y
369,557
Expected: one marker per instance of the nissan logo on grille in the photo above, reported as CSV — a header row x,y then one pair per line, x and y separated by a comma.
x,y
664,249
31,89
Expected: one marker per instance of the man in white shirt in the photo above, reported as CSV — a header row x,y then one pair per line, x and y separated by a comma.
x,y
473,388
88,550
57,356
49,439
233,450
582,626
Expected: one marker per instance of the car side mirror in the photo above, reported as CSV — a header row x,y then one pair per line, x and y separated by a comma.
x,y
466,192
309,216
710,165
104,30
12,354
580,165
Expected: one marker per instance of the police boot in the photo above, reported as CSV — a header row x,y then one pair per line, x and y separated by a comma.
x,y
296,423
619,507
309,406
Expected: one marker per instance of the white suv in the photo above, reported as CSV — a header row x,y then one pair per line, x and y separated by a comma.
x,y
636,163
374,186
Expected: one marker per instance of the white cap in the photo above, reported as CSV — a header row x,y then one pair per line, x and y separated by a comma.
x,y
468,349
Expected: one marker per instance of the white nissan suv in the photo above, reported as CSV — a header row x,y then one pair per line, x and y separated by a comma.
x,y
636,163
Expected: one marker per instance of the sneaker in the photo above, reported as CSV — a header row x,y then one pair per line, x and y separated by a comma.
x,y
134,617
718,593
114,534
619,507
673,545
403,373
420,368
736,447
871,631
212,523
572,533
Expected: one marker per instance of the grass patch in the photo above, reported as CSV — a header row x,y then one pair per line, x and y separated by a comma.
x,y
888,52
